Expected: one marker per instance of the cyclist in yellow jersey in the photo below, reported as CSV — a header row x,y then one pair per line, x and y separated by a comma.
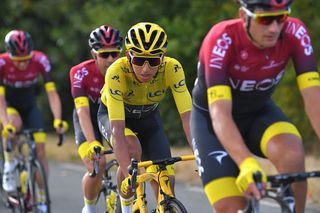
x,y
129,117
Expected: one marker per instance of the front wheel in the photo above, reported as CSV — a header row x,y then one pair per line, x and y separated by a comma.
x,y
38,188
175,206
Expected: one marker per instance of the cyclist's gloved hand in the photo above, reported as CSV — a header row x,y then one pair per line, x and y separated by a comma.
x,y
247,168
90,150
60,125
7,130
125,186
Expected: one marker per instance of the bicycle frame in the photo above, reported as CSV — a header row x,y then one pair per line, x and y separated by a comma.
x,y
165,193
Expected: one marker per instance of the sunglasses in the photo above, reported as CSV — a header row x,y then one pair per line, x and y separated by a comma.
x,y
106,53
268,18
21,58
153,61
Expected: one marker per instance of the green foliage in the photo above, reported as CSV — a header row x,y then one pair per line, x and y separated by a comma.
x,y
60,28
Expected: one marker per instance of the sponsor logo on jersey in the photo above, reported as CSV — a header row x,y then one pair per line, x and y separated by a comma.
x,y
272,64
180,86
251,85
78,77
116,94
116,78
155,96
45,63
197,156
219,51
300,33
20,84
140,109
218,155
2,62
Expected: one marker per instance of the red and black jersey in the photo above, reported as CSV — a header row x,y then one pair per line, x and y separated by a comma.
x,y
86,80
228,57
20,84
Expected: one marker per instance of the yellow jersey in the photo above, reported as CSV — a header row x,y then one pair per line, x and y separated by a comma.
x,y
123,92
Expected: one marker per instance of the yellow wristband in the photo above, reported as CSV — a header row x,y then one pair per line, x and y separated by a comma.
x,y
308,79
220,92
50,86
2,90
81,102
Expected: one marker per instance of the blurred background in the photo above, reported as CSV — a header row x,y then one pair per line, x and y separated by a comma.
x,y
60,28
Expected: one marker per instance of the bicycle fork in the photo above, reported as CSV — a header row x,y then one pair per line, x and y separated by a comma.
x,y
140,204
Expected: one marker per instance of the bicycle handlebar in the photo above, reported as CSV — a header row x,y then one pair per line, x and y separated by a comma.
x,y
95,162
28,133
281,181
166,161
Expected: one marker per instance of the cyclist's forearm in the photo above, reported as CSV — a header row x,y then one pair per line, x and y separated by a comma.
x,y
120,146
3,111
311,97
86,123
55,104
121,152
185,118
231,140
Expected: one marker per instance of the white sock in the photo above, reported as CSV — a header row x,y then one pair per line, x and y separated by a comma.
x,y
89,205
126,204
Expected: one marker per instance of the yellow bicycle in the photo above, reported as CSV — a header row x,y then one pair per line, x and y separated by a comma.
x,y
166,201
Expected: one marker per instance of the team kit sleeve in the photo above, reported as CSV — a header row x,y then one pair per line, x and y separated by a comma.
x,y
302,54
176,79
78,92
112,92
215,53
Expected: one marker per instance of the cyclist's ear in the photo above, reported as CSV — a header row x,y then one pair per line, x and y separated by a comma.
x,y
127,55
94,55
242,15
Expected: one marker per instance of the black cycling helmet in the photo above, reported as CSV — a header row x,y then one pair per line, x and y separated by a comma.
x,y
105,37
18,43
265,4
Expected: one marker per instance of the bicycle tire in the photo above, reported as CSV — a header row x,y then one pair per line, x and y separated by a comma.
x,y
37,168
2,192
175,206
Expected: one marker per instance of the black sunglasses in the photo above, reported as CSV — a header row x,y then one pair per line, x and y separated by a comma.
x,y
105,55
141,60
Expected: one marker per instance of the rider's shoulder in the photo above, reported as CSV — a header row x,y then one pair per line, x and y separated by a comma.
x,y
85,65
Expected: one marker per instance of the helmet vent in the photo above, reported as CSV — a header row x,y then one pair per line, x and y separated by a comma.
x,y
148,27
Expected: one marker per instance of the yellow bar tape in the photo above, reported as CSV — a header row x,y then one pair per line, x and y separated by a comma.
x,y
50,86
2,90
82,101
220,92
308,79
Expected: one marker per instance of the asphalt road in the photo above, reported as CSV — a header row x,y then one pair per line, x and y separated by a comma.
x,y
66,193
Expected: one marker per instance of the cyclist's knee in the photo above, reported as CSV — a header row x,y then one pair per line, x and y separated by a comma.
x,y
285,147
223,205
134,147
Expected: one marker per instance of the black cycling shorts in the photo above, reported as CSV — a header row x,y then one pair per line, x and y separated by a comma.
x,y
148,129
216,168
